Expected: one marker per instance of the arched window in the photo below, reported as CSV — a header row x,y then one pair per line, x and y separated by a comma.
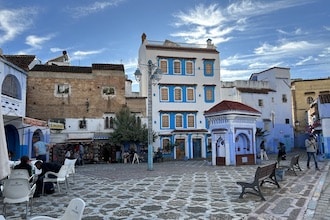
x,y
11,87
106,121
111,122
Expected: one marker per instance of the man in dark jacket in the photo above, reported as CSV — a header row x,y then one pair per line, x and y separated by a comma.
x,y
25,164
45,167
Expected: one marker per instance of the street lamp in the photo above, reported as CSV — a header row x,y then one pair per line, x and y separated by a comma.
x,y
154,75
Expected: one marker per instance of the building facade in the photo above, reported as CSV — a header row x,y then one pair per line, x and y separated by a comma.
x,y
80,104
304,93
269,92
19,129
188,87
319,123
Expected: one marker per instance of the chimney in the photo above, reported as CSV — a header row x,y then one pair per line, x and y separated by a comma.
x,y
209,44
65,56
144,37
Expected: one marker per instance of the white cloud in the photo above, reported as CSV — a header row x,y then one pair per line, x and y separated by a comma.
x,y
79,55
219,24
304,60
56,49
15,22
86,53
201,16
36,42
287,48
93,8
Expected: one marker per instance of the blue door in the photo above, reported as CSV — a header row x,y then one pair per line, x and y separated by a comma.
x,y
197,148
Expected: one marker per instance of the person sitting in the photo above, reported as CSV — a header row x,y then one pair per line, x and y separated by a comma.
x,y
158,156
68,154
45,167
25,164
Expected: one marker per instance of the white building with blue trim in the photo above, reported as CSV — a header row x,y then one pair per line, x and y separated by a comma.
x,y
269,92
19,129
190,85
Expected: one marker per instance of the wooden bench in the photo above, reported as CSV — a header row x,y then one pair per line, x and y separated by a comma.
x,y
294,164
262,175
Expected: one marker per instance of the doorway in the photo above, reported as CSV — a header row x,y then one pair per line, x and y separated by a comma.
x,y
197,148
180,149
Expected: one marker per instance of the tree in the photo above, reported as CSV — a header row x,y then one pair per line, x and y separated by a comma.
x,y
261,133
128,128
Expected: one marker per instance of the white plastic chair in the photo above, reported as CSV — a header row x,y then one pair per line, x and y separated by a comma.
x,y
19,174
18,191
72,166
60,177
74,211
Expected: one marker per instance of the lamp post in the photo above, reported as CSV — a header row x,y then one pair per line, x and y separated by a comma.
x,y
154,75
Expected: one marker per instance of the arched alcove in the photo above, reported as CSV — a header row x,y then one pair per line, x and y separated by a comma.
x,y
11,87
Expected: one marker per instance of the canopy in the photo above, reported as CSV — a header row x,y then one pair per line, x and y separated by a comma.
x,y
4,160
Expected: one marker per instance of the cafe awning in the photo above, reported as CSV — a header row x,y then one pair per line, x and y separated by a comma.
x,y
80,137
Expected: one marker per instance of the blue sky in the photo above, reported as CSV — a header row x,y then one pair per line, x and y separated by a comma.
x,y
251,35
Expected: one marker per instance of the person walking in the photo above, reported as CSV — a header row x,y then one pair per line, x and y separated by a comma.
x,y
311,149
263,153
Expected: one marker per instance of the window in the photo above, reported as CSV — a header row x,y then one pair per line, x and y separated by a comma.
x,y
208,67
191,121
177,94
260,102
111,122
164,66
189,68
82,124
63,89
164,94
310,100
177,67
287,121
166,145
11,87
284,98
178,121
165,121
190,94
209,94
106,122
108,91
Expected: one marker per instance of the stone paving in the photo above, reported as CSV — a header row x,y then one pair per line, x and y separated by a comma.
x,y
186,190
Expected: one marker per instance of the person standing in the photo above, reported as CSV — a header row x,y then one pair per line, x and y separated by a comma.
x,y
40,149
81,154
263,152
311,149
281,152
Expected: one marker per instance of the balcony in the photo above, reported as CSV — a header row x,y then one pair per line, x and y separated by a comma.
x,y
11,106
